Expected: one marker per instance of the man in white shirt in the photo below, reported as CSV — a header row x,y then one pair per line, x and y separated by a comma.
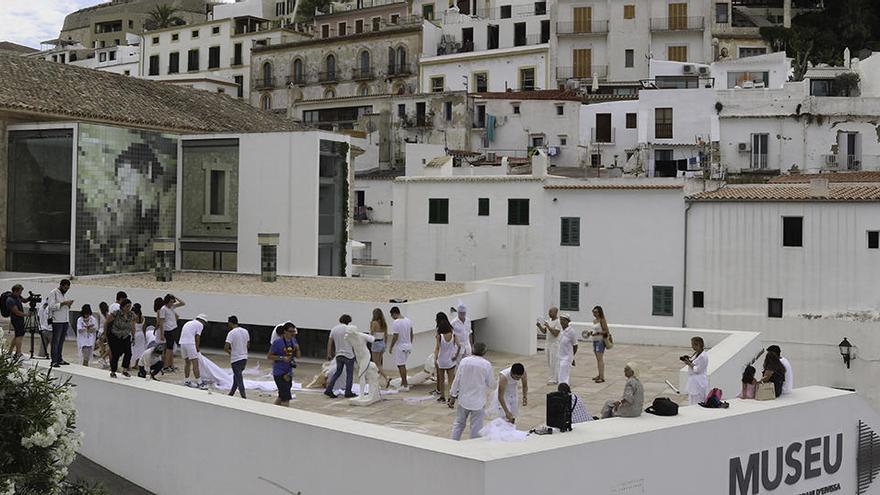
x,y
788,384
551,330
401,344
190,344
473,381
461,327
59,314
568,346
344,357
237,341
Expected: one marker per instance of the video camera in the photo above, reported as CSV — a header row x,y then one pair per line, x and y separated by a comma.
x,y
33,300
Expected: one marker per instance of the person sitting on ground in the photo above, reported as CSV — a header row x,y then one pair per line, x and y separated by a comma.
x,y
579,413
630,406
748,383
788,384
774,372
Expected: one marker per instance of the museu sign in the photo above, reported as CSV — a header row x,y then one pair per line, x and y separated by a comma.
x,y
788,464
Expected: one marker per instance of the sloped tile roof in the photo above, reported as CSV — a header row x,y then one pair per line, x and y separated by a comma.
x,y
790,192
58,91
8,46
864,176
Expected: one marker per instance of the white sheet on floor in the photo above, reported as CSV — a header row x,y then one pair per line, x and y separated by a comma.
x,y
222,377
499,430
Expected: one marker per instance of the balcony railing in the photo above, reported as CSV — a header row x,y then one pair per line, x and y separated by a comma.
x,y
582,28
362,73
677,23
328,76
602,136
662,130
362,213
598,71
399,70
266,83
296,80
529,40
236,61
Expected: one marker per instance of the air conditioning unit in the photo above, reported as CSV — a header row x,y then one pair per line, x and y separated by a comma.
x,y
748,85
743,147
688,69
703,71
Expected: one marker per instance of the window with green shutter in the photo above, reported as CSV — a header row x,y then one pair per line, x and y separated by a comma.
x,y
517,212
438,210
571,231
662,300
483,207
569,296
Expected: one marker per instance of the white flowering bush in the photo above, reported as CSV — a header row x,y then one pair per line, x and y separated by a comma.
x,y
38,437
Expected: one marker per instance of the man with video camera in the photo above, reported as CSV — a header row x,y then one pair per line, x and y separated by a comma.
x,y
59,317
13,306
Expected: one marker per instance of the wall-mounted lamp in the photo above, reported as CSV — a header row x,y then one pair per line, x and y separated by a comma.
x,y
846,351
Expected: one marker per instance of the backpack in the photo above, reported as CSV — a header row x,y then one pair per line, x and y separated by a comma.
x,y
714,393
559,410
713,400
4,310
663,406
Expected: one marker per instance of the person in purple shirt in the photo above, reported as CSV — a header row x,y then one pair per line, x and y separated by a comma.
x,y
282,353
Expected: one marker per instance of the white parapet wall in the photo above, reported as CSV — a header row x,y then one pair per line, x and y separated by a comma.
x,y
729,350
212,443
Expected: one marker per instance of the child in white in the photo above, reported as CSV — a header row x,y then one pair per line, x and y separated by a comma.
x,y
698,367
86,332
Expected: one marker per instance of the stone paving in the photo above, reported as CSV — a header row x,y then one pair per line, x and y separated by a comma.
x,y
417,411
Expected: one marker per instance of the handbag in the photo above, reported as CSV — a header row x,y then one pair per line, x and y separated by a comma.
x,y
765,391
663,406
608,340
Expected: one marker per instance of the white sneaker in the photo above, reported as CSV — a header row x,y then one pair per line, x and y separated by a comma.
x,y
403,389
552,382
202,385
189,384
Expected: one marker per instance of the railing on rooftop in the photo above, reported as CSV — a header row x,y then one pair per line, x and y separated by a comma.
x,y
266,83
582,28
328,76
529,40
584,73
677,23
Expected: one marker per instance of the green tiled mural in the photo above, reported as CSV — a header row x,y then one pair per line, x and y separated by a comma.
x,y
125,197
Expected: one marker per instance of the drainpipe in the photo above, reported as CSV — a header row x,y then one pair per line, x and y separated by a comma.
x,y
687,210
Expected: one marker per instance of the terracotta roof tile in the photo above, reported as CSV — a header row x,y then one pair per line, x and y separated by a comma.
x,y
538,94
865,176
58,91
790,192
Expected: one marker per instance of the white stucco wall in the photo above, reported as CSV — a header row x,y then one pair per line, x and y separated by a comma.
x,y
502,65
623,139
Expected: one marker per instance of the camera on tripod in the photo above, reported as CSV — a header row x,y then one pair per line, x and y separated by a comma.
x,y
33,300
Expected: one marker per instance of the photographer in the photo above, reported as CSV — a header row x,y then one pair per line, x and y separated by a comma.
x,y
59,318
283,354
15,309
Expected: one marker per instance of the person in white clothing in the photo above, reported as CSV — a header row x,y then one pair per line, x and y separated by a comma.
x,y
698,367
447,351
401,344
568,347
788,384
86,332
166,323
59,316
344,357
45,328
461,325
505,395
473,381
237,342
190,344
551,331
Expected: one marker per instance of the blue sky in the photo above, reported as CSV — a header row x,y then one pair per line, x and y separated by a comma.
x,y
28,22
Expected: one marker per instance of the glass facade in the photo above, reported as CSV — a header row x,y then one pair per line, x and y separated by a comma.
x,y
332,208
39,201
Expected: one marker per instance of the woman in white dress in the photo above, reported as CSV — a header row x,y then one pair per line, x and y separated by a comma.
x,y
86,333
698,367
505,395
447,349
139,344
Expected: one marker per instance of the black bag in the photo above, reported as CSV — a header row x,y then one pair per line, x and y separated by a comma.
x,y
559,410
3,309
663,406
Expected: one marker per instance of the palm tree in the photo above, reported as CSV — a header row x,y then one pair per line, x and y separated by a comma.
x,y
163,16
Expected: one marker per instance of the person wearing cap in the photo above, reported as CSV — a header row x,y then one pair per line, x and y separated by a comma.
x,y
630,405
461,327
568,347
190,345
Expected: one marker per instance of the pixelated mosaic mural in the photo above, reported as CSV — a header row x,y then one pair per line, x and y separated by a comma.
x,y
125,197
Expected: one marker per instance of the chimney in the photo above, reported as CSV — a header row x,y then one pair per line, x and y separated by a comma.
x,y
539,163
819,188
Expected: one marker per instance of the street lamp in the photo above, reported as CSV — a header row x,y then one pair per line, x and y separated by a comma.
x,y
846,351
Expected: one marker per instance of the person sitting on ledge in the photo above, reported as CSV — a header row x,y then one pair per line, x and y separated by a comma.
x,y
579,413
630,406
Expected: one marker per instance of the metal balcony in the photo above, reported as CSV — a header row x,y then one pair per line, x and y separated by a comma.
x,y
266,83
362,74
677,23
328,76
582,28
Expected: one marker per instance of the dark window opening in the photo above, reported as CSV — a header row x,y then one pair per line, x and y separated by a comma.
x,y
483,207
438,210
661,300
698,299
517,211
774,308
793,231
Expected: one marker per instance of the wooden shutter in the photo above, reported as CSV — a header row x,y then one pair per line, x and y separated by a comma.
x,y
583,19
583,59
677,53
678,13
570,235
629,11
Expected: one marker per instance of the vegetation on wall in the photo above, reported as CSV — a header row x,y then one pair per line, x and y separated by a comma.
x,y
821,36
306,9
163,16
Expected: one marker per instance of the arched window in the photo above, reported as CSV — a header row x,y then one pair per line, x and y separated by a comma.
x,y
298,70
401,57
266,102
267,74
363,90
329,94
365,61
331,66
